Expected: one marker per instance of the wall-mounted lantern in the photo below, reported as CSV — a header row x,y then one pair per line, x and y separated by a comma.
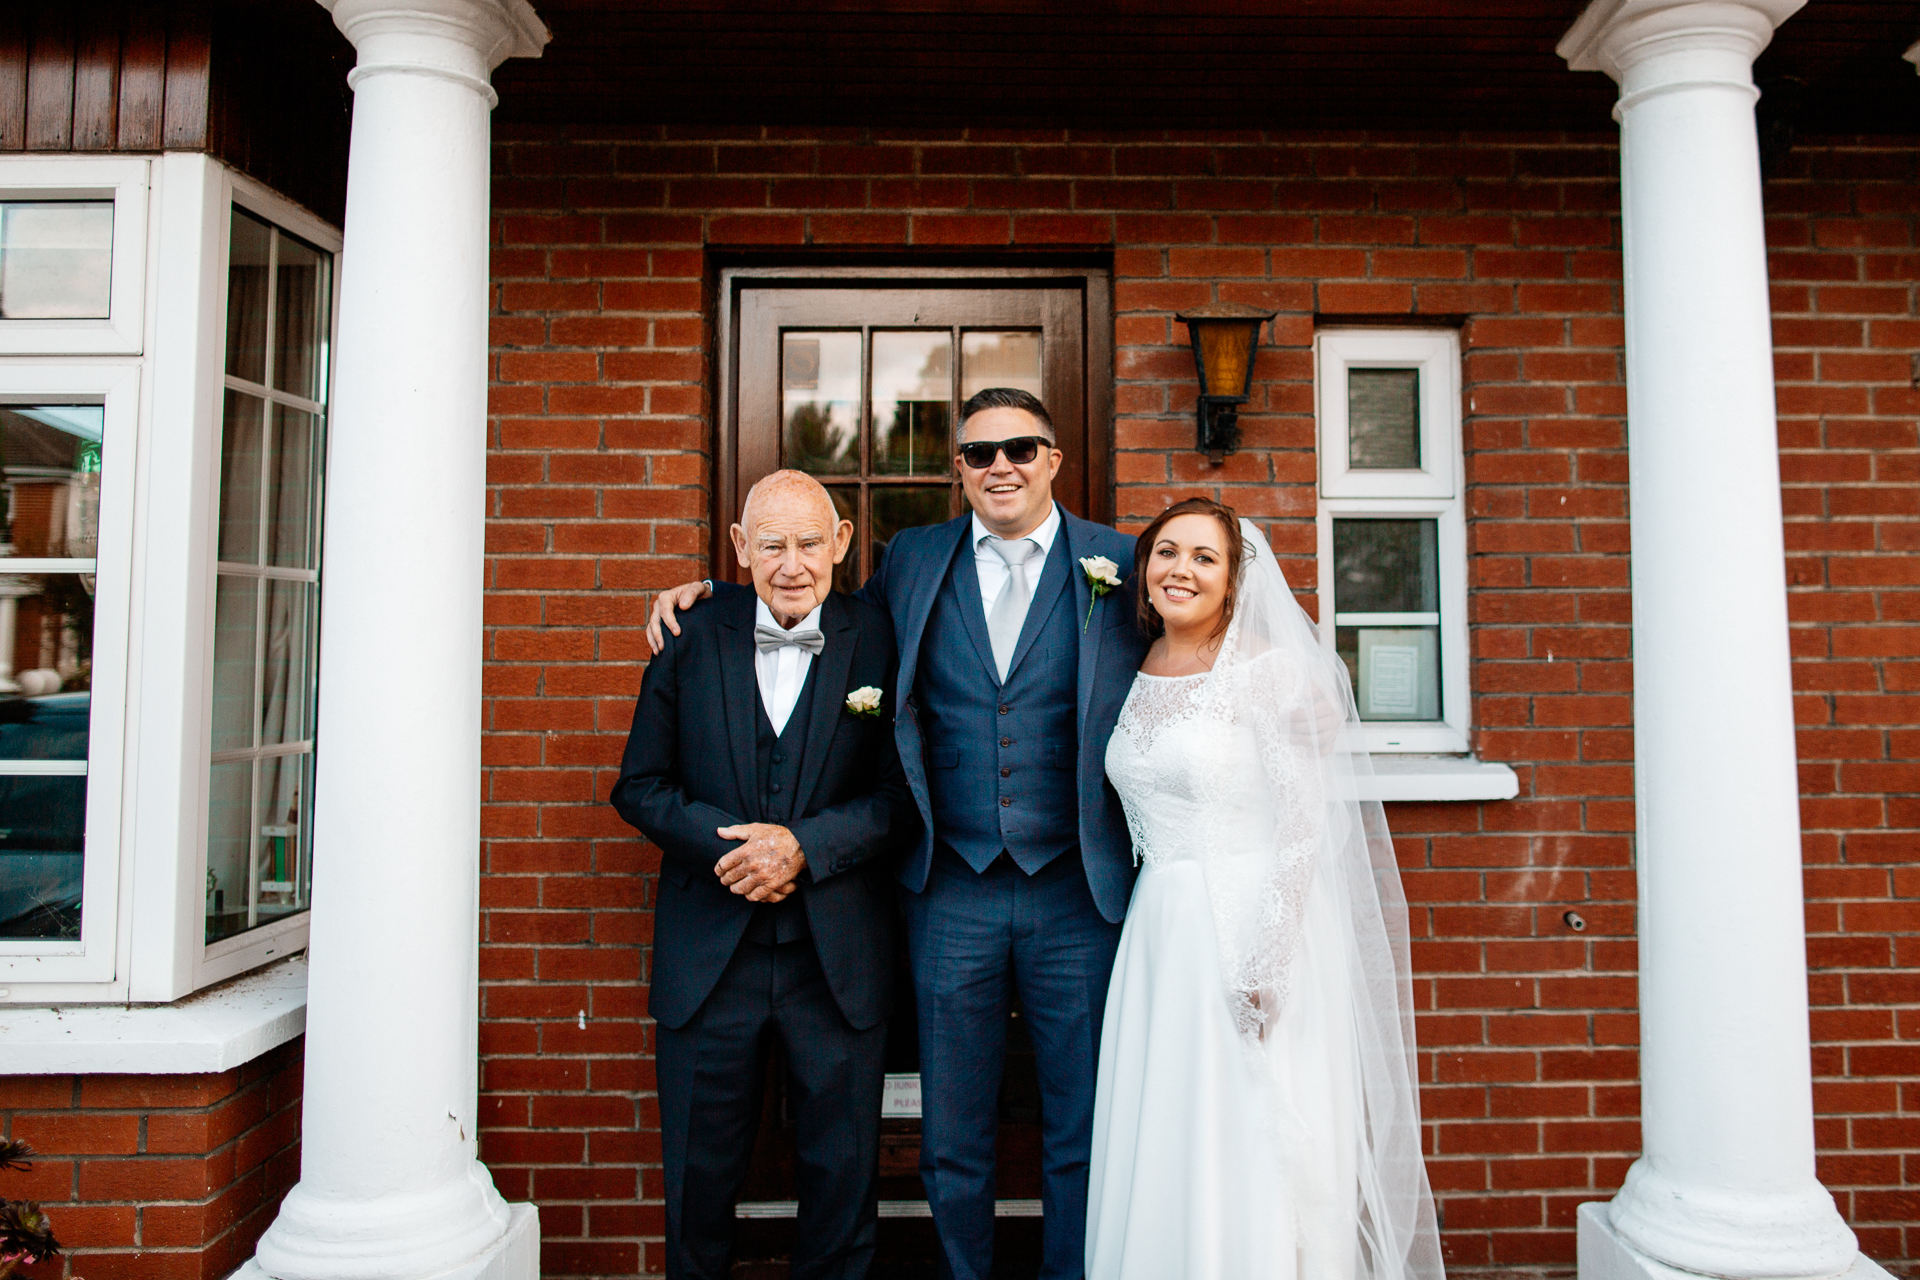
x,y
1225,336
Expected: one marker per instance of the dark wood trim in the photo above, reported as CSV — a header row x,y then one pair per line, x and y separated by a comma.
x,y
260,84
1086,480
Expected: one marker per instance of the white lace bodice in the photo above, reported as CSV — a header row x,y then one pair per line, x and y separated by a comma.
x,y
1188,780
1214,768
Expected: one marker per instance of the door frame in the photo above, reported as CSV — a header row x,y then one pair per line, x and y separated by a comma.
x,y
1095,284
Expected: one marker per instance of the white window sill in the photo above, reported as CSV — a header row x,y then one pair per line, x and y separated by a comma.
x,y
215,1030
1412,777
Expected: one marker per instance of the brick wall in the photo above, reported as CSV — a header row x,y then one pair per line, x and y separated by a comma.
x,y
156,1177
1845,259
600,467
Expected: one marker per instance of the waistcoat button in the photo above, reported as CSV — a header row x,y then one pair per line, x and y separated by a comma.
x,y
1005,803
1006,773
1006,742
776,786
1004,708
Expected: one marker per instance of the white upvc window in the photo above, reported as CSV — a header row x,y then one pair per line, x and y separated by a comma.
x,y
1392,532
72,255
160,574
68,443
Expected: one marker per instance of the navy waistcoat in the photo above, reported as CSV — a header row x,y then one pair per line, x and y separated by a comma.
x,y
778,760
1000,759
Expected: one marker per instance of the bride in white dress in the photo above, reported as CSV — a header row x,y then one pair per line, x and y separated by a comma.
x,y
1256,1115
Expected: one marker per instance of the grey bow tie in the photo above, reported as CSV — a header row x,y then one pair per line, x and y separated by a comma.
x,y
766,639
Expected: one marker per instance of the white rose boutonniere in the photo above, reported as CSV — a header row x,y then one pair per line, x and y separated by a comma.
x,y
864,701
1103,575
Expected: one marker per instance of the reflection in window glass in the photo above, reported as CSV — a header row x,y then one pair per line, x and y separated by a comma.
x,y
56,259
895,509
1386,593
912,403
266,595
50,511
1386,566
1383,419
820,402
999,358
249,253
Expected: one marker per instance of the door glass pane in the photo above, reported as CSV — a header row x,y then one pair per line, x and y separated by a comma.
x,y
1395,670
229,846
1383,419
846,574
820,402
912,403
284,678
56,259
46,668
999,358
247,253
1386,566
51,458
235,609
280,859
900,507
241,444
302,292
290,506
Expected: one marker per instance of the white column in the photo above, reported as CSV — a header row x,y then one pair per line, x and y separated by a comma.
x,y
1725,1185
389,1184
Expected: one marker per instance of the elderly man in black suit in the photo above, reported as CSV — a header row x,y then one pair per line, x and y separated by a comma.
x,y
762,764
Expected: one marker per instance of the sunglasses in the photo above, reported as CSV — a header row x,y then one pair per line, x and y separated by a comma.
x,y
1020,450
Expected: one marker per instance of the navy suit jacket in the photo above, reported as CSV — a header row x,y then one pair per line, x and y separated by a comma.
x,y
690,767
1111,647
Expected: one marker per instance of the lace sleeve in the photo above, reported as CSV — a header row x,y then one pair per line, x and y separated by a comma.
x,y
1258,893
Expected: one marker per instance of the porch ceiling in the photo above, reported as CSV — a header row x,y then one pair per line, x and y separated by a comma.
x,y
1267,64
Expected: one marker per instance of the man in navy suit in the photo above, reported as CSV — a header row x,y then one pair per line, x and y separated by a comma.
x,y
762,766
1012,674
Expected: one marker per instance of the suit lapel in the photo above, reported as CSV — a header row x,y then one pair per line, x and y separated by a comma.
x,y
973,615
926,586
1082,598
740,692
829,676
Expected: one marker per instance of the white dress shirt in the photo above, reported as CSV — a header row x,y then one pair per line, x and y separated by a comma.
x,y
782,673
992,570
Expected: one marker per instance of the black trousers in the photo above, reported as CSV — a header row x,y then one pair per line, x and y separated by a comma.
x,y
711,1078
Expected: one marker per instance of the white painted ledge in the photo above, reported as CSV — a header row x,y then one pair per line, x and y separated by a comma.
x,y
212,1031
1412,777
1605,1255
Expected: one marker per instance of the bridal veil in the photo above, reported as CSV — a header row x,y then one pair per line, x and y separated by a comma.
x,y
1273,670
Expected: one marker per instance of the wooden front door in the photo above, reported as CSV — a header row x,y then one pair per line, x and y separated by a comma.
x,y
857,378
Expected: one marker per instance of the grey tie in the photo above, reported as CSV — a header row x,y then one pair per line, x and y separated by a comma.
x,y
1010,610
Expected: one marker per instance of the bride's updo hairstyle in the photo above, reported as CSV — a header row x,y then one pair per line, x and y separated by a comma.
x,y
1233,548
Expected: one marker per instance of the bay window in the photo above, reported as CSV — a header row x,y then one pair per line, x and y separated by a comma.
x,y
165,329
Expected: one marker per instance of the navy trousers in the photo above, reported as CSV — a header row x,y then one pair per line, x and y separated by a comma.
x,y
711,1073
974,938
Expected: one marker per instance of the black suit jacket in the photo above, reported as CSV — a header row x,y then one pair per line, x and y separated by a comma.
x,y
690,767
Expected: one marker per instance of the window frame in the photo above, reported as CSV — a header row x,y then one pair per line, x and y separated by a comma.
x,y
125,181
154,758
1434,492
251,948
116,385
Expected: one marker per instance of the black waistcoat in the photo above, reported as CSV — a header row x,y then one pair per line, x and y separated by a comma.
x,y
777,762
